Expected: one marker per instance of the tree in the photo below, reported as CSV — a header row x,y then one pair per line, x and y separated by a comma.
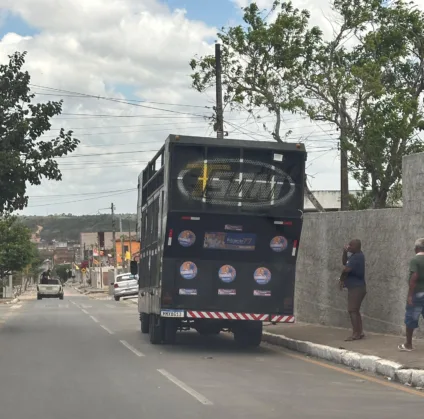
x,y
16,249
25,158
369,90
62,271
259,62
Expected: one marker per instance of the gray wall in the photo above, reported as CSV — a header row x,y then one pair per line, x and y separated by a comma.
x,y
388,243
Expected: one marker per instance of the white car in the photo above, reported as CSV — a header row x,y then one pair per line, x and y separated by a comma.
x,y
50,288
125,285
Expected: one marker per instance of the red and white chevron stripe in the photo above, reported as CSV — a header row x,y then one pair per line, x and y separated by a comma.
x,y
282,319
219,315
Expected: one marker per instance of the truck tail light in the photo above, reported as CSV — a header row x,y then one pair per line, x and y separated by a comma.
x,y
170,234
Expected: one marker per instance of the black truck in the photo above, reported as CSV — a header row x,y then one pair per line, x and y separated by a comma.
x,y
219,222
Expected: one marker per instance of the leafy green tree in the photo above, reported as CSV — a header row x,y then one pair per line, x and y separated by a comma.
x,y
62,271
26,158
367,80
16,249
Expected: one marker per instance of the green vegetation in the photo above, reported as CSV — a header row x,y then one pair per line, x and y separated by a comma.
x,y
17,253
67,227
25,157
366,81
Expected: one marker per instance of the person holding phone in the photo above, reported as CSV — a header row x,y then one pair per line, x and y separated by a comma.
x,y
353,278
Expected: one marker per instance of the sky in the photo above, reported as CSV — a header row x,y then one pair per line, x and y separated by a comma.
x,y
134,50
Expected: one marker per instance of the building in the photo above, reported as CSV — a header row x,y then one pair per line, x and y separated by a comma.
x,y
134,245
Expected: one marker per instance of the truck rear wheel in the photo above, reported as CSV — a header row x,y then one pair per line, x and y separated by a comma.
x,y
170,331
248,333
155,329
144,319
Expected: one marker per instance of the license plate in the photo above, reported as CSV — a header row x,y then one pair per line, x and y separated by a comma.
x,y
172,313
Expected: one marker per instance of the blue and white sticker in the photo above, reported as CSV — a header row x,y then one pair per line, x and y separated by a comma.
x,y
227,273
186,238
187,291
278,244
262,275
188,270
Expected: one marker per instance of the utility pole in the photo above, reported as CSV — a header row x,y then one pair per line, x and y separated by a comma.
x,y
219,127
122,242
129,237
115,256
344,173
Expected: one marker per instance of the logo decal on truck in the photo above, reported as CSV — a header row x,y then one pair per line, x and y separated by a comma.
x,y
236,182
188,270
278,244
227,273
262,275
186,238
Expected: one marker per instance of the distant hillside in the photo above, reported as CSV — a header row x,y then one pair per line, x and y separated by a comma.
x,y
67,227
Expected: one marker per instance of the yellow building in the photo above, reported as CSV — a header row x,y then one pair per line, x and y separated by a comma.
x,y
131,248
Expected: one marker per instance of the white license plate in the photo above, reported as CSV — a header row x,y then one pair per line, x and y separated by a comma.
x,y
172,313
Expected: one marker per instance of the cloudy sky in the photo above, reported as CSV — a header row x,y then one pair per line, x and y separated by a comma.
x,y
91,52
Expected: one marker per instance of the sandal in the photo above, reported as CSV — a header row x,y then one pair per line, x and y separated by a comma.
x,y
403,348
352,338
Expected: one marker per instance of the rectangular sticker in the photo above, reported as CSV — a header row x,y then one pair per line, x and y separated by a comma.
x,y
233,227
261,293
187,291
224,291
229,241
172,313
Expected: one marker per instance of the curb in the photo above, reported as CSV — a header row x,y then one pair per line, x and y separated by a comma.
x,y
389,369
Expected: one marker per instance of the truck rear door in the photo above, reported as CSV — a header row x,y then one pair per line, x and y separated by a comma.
x,y
231,262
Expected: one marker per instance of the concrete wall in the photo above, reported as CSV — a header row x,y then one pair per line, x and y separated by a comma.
x,y
388,243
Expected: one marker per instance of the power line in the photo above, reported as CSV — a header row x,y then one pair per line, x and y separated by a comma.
x,y
80,200
118,101
82,96
81,194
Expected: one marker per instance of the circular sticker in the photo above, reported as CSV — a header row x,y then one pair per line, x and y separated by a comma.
x,y
186,238
278,244
188,270
262,276
227,273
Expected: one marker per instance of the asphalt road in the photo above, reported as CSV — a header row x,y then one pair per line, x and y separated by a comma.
x,y
84,358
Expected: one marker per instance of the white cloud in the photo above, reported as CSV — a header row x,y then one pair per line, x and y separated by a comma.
x,y
99,48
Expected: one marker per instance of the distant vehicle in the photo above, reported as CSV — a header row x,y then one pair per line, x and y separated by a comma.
x,y
50,288
219,224
125,285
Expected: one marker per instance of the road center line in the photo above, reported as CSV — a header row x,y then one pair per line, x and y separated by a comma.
x,y
94,319
131,348
199,397
107,330
14,307
84,311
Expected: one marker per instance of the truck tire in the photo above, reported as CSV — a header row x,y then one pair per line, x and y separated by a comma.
x,y
39,297
169,331
61,297
155,329
248,334
144,319
117,298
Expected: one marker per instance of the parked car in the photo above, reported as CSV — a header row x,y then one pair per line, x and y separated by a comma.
x,y
125,285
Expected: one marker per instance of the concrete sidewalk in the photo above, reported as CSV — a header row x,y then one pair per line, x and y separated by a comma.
x,y
375,353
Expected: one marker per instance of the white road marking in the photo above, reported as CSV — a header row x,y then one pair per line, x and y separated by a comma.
x,y
107,330
14,307
131,348
199,397
72,302
110,305
84,311
94,319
